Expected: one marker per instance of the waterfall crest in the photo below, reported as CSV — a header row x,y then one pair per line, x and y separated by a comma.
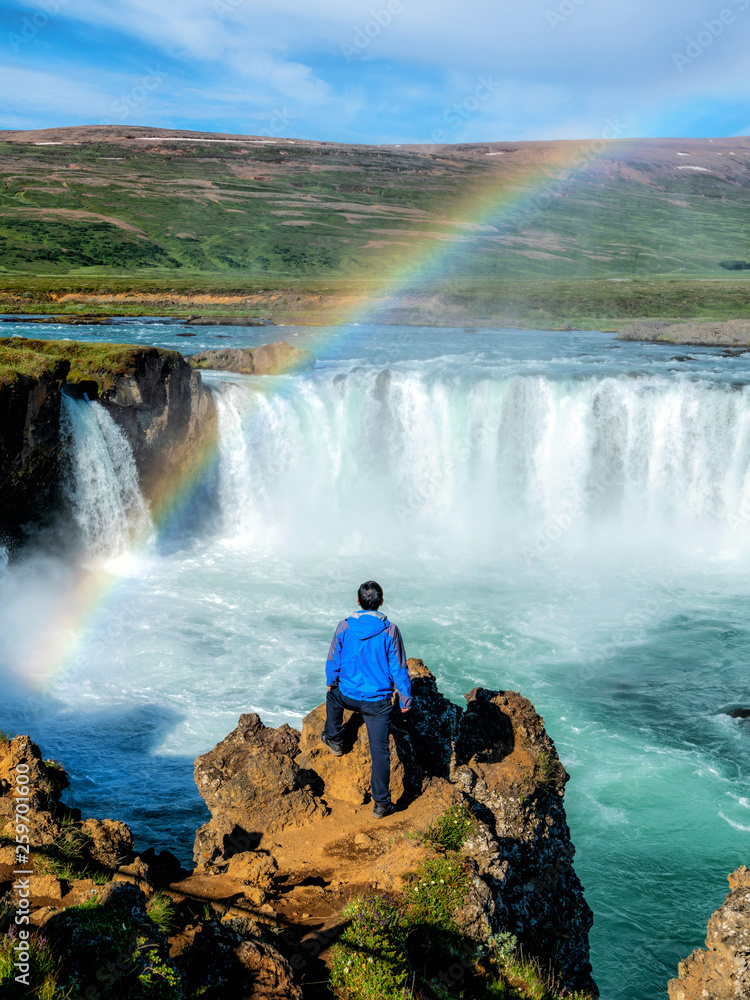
x,y
487,456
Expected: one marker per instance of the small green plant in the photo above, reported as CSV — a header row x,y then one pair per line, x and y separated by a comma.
x,y
51,864
4,738
449,831
435,890
546,768
71,842
158,977
161,910
503,946
369,961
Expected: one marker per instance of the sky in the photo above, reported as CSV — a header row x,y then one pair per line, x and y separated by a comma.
x,y
381,71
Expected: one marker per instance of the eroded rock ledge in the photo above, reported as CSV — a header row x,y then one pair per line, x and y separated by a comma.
x,y
279,358
721,971
281,795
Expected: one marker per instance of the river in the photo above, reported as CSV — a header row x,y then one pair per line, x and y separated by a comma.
x,y
555,513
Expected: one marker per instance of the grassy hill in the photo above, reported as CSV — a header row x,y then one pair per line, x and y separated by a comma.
x,y
93,216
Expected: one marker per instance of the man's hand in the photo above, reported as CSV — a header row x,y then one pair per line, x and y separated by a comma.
x,y
404,709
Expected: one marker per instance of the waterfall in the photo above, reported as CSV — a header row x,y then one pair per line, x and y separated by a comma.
x,y
486,457
102,481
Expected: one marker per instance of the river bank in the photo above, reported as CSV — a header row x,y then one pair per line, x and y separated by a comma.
x,y
609,304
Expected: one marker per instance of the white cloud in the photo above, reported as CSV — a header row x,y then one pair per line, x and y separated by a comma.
x,y
563,66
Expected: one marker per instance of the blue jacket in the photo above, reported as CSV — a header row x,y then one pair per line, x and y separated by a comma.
x,y
367,659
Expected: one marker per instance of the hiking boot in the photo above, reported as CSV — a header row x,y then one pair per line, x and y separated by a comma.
x,y
383,810
336,749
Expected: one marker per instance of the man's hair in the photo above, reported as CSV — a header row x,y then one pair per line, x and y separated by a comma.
x,y
370,596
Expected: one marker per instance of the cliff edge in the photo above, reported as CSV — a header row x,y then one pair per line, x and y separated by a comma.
x,y
154,396
491,771
721,971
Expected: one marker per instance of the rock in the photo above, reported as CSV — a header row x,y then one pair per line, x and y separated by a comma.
x,y
346,778
30,448
159,402
495,757
253,788
721,971
268,359
166,413
44,785
111,842
222,962
47,887
228,321
729,333
102,945
507,764
272,977
253,868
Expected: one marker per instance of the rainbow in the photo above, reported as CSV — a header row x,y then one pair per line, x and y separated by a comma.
x,y
506,201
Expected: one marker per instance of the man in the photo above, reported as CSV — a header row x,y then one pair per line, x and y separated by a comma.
x,y
366,662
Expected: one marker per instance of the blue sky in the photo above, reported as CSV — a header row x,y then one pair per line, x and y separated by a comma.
x,y
387,71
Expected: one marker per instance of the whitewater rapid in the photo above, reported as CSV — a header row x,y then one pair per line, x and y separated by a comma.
x,y
562,517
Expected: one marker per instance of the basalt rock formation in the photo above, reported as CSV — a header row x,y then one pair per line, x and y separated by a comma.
x,y
721,971
280,795
267,359
154,396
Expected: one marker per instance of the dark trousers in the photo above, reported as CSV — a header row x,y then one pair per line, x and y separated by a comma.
x,y
377,716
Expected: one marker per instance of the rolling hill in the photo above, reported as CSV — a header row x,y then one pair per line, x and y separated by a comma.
x,y
105,210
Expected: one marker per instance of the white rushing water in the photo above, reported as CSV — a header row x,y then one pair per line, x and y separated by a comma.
x,y
480,458
102,480
556,516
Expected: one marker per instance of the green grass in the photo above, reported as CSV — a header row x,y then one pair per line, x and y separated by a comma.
x,y
96,363
436,890
412,946
370,960
449,831
161,909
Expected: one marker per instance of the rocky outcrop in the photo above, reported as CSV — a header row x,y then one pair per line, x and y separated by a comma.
x,y
729,333
166,413
30,447
252,786
283,793
145,929
268,359
228,321
160,403
721,971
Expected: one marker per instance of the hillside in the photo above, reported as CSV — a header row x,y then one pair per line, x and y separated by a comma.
x,y
90,208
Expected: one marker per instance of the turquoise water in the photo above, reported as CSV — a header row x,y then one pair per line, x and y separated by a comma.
x,y
555,513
